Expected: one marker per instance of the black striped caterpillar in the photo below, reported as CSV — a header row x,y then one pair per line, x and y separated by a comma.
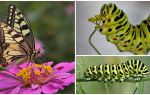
x,y
114,23
117,72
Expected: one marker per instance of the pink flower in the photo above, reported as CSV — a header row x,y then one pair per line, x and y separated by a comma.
x,y
69,9
39,46
30,78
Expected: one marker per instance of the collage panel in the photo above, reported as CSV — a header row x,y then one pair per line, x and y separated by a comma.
x,y
41,53
112,27
37,47
112,74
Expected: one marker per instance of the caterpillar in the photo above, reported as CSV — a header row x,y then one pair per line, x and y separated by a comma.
x,y
134,69
113,22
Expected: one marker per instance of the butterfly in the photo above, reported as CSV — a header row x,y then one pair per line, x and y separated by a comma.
x,y
16,39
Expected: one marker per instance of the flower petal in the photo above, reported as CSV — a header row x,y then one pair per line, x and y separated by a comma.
x,y
49,63
61,75
13,68
65,66
5,91
10,79
34,86
50,88
69,80
58,81
26,64
66,78
29,90
60,87
11,83
39,46
9,75
16,90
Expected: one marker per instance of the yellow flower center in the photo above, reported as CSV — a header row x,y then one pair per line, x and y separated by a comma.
x,y
34,74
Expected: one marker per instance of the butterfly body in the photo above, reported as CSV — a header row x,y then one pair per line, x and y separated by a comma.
x,y
16,39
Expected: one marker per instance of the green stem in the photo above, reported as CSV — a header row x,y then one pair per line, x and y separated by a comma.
x,y
106,86
90,42
135,90
142,88
128,80
138,88
81,89
83,61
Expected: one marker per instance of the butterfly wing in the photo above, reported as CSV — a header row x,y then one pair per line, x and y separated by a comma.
x,y
13,45
16,38
18,22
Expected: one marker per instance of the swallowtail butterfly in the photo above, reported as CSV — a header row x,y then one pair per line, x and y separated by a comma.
x,y
16,39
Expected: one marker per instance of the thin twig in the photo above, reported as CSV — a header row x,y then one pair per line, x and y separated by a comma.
x,y
90,42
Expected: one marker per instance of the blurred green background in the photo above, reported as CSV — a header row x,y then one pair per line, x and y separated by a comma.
x,y
99,87
53,24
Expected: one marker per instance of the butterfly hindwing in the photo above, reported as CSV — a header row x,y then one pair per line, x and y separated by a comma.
x,y
14,46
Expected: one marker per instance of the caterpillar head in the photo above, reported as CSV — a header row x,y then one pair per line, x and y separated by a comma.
x,y
104,10
108,10
107,14
105,18
86,76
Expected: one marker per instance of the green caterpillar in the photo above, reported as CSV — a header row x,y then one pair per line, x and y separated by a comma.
x,y
114,23
117,72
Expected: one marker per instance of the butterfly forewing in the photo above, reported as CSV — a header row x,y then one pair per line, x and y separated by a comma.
x,y
18,22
